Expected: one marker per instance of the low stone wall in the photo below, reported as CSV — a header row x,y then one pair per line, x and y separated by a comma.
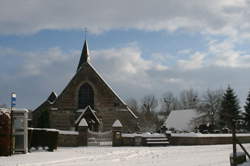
x,y
133,141
137,139
73,138
206,139
68,138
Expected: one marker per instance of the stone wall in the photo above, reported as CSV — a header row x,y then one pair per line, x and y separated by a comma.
x,y
68,139
207,140
133,141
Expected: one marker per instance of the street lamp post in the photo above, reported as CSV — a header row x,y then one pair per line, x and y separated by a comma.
x,y
234,142
12,105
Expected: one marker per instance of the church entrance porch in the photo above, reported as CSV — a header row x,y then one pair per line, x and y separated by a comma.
x,y
89,115
88,137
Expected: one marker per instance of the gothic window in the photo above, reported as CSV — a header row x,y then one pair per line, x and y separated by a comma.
x,y
86,96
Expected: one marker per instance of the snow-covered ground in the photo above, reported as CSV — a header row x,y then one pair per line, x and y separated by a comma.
x,y
215,155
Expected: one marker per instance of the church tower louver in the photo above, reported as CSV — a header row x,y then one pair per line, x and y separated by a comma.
x,y
87,96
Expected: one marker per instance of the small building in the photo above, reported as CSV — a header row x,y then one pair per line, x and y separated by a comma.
x,y
13,131
183,120
87,96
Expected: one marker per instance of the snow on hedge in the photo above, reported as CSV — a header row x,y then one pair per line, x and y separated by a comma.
x,y
45,129
64,132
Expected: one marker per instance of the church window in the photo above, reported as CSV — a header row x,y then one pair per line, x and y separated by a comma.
x,y
86,96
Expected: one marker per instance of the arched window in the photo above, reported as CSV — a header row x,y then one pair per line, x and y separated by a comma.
x,y
86,96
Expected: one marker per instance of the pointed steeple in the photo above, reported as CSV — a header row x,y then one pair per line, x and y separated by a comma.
x,y
84,56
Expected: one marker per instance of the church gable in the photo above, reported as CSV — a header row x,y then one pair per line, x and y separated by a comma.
x,y
87,84
87,88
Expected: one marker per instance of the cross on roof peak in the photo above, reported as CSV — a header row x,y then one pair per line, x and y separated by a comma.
x,y
85,33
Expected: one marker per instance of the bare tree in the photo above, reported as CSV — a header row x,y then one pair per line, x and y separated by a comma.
x,y
149,103
149,117
210,105
169,102
189,99
133,105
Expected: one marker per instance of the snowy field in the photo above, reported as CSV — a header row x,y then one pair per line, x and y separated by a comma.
x,y
215,155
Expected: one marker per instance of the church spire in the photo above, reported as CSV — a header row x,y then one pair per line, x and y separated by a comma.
x,y
84,56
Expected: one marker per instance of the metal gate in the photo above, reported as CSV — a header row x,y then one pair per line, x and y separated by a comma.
x,y
99,138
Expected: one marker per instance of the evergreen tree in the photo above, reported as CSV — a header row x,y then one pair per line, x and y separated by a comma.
x,y
230,108
247,111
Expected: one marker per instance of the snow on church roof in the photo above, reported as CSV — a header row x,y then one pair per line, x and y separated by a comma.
x,y
83,122
181,119
113,92
117,123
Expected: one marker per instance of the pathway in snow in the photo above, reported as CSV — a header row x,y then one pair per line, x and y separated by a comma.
x,y
126,156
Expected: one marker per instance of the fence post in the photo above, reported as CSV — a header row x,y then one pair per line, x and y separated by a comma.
x,y
83,133
117,133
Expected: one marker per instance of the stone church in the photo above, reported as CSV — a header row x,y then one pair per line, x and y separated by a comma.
x,y
87,96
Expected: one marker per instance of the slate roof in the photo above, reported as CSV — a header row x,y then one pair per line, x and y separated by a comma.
x,y
127,108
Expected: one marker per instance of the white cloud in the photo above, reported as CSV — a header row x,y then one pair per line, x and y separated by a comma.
x,y
33,75
125,69
172,80
185,51
207,16
34,62
195,62
225,54
127,60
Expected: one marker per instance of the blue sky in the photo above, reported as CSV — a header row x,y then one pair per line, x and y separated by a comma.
x,y
140,49
150,42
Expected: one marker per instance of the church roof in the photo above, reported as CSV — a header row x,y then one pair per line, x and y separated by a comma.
x,y
84,56
113,91
84,59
